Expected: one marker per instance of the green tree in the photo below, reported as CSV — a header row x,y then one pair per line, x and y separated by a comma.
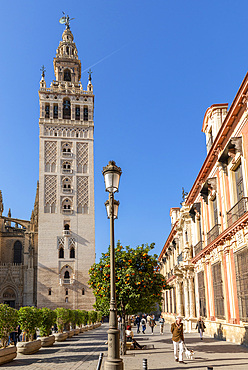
x,y
29,320
8,322
139,284
48,318
62,318
85,317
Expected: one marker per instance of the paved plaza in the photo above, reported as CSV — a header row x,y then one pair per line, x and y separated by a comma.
x,y
81,353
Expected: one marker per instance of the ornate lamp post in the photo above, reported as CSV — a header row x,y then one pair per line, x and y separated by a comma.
x,y
112,175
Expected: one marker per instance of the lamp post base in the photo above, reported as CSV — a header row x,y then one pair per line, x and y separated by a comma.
x,y
113,364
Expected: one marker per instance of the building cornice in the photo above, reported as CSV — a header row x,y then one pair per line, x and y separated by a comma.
x,y
221,239
220,141
168,241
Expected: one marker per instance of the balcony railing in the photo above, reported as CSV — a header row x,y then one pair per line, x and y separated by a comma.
x,y
67,211
198,247
237,211
67,170
66,232
213,233
67,154
180,258
67,281
67,190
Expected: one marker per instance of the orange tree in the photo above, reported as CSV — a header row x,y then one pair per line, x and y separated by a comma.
x,y
138,282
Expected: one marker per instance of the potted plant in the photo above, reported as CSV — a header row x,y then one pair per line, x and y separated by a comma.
x,y
75,322
62,318
29,320
85,320
69,323
48,318
8,324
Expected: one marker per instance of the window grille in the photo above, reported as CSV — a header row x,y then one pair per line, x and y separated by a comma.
x,y
241,264
170,300
201,291
218,291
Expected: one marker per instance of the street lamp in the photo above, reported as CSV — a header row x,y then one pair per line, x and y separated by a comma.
x,y
112,175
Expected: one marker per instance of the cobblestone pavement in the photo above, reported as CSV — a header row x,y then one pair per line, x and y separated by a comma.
x,y
81,353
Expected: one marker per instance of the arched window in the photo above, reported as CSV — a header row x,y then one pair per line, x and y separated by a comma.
x,y
67,275
77,113
18,252
67,227
83,292
85,113
61,252
66,109
66,206
66,292
67,73
72,253
47,111
55,111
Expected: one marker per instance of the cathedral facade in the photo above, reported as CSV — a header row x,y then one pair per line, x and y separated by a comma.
x,y
45,261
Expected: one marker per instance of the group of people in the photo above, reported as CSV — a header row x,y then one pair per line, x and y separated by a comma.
x,y
150,321
176,330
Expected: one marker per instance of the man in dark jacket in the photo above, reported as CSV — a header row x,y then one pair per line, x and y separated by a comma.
x,y
178,339
137,322
201,326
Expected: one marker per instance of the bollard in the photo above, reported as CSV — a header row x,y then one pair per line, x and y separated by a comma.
x,y
99,361
144,364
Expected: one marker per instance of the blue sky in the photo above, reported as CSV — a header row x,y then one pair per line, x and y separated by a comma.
x,y
170,61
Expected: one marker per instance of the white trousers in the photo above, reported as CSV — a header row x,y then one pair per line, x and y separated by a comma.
x,y
178,345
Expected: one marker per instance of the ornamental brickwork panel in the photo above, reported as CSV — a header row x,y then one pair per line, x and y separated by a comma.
x,y
82,194
82,157
50,190
50,152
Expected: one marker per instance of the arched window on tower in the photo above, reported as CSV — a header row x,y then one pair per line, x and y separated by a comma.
x,y
66,109
72,253
77,113
55,111
67,74
86,114
47,111
61,252
18,252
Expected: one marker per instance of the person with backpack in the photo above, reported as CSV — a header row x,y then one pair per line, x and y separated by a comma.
x,y
161,323
143,324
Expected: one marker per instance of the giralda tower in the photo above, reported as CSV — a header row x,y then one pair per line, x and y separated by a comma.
x,y
66,240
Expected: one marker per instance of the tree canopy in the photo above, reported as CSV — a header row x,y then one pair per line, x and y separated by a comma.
x,y
139,284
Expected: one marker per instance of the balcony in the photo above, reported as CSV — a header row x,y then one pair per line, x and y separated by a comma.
x,y
67,281
67,170
180,258
67,154
213,233
67,211
66,232
237,211
198,247
67,190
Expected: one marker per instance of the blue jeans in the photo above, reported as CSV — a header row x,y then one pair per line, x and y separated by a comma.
x,y
143,328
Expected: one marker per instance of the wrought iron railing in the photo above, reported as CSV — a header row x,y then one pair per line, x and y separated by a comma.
x,y
198,247
67,281
180,258
236,211
213,233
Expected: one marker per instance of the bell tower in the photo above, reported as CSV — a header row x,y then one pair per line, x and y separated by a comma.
x,y
66,239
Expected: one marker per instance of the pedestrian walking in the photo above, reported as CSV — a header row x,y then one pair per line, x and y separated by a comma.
x,y
152,323
201,326
178,339
161,324
143,323
137,322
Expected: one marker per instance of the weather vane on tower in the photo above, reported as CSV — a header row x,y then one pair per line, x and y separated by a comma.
x,y
66,20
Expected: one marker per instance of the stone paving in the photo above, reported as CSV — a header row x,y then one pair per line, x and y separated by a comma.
x,y
81,353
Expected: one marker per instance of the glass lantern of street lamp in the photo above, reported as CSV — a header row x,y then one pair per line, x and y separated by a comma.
x,y
112,175
116,206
